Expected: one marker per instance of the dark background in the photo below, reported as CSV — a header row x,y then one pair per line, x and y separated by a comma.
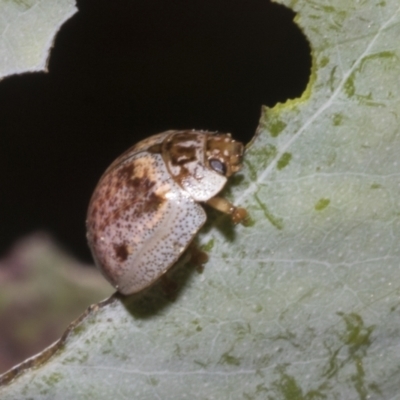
x,y
121,70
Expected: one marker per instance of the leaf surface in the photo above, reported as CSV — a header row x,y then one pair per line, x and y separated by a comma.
x,y
27,31
304,304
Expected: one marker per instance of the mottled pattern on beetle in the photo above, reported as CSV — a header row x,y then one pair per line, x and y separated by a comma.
x,y
140,221
135,149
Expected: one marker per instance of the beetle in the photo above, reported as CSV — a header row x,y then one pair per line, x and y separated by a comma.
x,y
146,209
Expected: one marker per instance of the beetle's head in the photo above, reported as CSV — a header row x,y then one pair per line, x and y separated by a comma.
x,y
224,154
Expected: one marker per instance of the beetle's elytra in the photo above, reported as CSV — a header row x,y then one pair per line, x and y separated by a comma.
x,y
145,209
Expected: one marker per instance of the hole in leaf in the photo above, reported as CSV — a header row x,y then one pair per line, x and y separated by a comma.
x,y
124,69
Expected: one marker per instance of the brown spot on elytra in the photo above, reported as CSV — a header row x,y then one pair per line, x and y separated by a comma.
x,y
135,182
126,172
121,251
152,202
117,215
140,199
143,184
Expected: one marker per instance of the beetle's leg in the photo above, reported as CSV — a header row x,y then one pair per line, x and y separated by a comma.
x,y
198,257
237,214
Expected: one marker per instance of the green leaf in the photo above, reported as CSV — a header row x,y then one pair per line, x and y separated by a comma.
x,y
27,30
304,303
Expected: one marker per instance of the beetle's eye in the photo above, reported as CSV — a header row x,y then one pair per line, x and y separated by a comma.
x,y
218,166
